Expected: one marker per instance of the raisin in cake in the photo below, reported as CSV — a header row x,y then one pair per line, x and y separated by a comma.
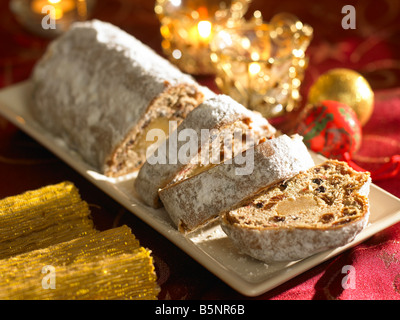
x,y
221,117
100,90
197,200
324,207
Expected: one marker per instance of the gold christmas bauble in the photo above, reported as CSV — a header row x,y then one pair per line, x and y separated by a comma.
x,y
345,86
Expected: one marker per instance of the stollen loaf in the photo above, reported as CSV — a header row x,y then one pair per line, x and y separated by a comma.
x,y
100,90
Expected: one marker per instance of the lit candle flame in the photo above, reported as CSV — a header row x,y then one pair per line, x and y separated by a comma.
x,y
60,7
254,68
204,28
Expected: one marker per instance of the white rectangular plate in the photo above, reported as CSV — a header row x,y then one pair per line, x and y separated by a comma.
x,y
209,246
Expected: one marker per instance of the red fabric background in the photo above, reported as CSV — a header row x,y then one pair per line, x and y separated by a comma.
x,y
373,49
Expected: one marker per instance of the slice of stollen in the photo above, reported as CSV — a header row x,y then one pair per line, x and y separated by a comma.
x,y
198,199
209,130
324,207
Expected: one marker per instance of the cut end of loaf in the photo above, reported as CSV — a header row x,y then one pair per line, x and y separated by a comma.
x,y
172,105
325,196
323,208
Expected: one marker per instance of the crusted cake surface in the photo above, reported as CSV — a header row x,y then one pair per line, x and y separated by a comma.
x,y
94,84
218,112
196,200
324,207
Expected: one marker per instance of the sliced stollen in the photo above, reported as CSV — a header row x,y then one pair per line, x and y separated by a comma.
x,y
210,125
324,207
100,90
195,201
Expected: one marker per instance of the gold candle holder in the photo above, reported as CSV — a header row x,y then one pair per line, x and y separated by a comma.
x,y
187,27
49,18
261,65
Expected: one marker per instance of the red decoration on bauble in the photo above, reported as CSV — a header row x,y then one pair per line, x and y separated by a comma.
x,y
330,128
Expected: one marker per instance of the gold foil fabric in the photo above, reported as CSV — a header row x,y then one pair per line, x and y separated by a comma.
x,y
85,264
42,217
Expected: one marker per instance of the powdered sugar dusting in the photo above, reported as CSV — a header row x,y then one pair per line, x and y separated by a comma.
x,y
201,197
93,85
212,114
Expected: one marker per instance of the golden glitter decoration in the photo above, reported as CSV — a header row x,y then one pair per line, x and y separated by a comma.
x,y
42,217
187,27
261,64
106,265
345,86
49,249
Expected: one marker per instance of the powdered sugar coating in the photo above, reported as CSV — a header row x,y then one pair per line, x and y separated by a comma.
x,y
196,200
213,113
94,84
271,245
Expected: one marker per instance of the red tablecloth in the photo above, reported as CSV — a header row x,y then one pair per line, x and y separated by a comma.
x,y
373,49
